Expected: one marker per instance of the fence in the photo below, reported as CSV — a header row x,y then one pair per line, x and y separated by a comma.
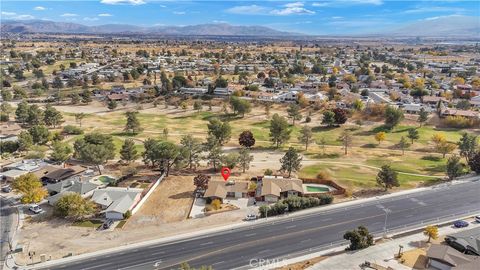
x,y
339,190
150,191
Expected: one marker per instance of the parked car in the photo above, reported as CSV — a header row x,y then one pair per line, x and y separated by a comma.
x,y
35,208
477,219
6,189
107,224
251,217
460,224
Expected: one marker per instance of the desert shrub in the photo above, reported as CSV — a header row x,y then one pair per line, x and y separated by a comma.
x,y
293,204
8,147
323,175
268,172
458,122
216,204
72,130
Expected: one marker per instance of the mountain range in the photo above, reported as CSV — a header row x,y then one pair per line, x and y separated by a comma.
x,y
446,26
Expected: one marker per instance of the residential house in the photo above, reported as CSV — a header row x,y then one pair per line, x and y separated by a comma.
x,y
71,185
467,242
226,189
414,108
60,174
116,201
193,91
454,112
445,258
275,188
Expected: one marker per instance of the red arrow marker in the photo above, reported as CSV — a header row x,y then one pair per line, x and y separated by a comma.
x,y
225,173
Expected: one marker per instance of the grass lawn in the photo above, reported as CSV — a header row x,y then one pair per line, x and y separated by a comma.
x,y
88,223
121,224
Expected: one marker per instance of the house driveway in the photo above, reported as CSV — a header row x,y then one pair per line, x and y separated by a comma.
x,y
197,208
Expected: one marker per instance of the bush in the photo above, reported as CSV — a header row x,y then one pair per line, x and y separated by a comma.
x,y
127,214
308,119
458,122
216,204
72,130
8,147
323,175
293,204
268,172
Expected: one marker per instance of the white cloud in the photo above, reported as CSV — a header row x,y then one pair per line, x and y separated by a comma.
x,y
433,9
217,21
295,8
105,15
337,17
39,8
249,10
348,2
68,15
90,19
123,2
179,12
15,16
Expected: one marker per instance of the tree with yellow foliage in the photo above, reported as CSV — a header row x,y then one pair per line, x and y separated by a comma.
x,y
30,187
437,139
419,83
458,80
431,231
216,204
380,137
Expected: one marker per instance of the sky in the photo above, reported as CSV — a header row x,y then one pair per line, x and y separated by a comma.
x,y
309,17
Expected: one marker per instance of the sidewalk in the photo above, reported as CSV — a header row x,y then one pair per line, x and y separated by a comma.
x,y
382,254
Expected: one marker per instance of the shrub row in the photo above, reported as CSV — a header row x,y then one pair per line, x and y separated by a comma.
x,y
293,204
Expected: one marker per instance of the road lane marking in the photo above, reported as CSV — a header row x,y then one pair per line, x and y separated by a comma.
x,y
207,243
217,263
96,266
157,253
263,251
250,234
291,226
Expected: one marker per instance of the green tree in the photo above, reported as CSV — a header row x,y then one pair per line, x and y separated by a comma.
x,y
454,168
79,117
413,134
214,152
40,134
403,144
221,131
94,148
25,141
74,206
293,111
52,117
387,177
328,118
393,117
445,147
30,187
128,152
240,106
192,149
279,130
35,115
422,116
112,105
197,106
291,161
161,153
133,124
230,160
7,95
245,158
359,238
468,145
86,96
21,113
306,136
221,82
61,152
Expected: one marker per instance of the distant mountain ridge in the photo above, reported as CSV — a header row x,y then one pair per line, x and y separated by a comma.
x,y
216,29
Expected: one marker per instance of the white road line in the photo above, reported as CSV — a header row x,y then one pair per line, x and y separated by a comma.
x,y
207,243
159,252
326,219
263,251
250,234
303,241
218,263
291,226
99,265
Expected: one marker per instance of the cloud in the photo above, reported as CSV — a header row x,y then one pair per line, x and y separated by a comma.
x,y
348,2
433,9
68,15
123,2
218,21
90,19
39,8
337,17
179,12
295,8
15,16
105,15
248,10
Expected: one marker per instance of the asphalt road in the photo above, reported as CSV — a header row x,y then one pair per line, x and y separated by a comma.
x,y
248,247
7,214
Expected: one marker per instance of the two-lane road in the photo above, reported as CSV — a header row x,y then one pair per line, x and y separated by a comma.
x,y
245,247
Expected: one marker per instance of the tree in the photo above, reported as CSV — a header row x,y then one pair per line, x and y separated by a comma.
x,y
31,188
246,139
279,131
393,117
387,177
201,181
86,96
197,106
21,113
240,106
446,147
437,139
431,231
244,158
112,105
221,82
328,118
359,238
192,148
74,206
161,153
52,117
128,152
293,111
35,115
468,146
346,139
291,161
474,163
454,168
340,116
413,134
25,141
230,160
221,131
94,148
79,117
133,124
39,134
214,152
403,144
61,152
380,136
422,116
306,135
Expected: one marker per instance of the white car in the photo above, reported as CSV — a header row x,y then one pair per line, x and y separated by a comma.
x,y
251,217
35,208
477,219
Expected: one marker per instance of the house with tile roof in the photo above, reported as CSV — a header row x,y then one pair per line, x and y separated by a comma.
x,y
116,201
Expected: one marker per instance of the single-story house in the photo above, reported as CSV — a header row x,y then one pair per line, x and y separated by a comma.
x,y
118,97
275,188
116,201
223,189
454,112
416,108
57,190
193,91
445,258
13,174
60,174
467,242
